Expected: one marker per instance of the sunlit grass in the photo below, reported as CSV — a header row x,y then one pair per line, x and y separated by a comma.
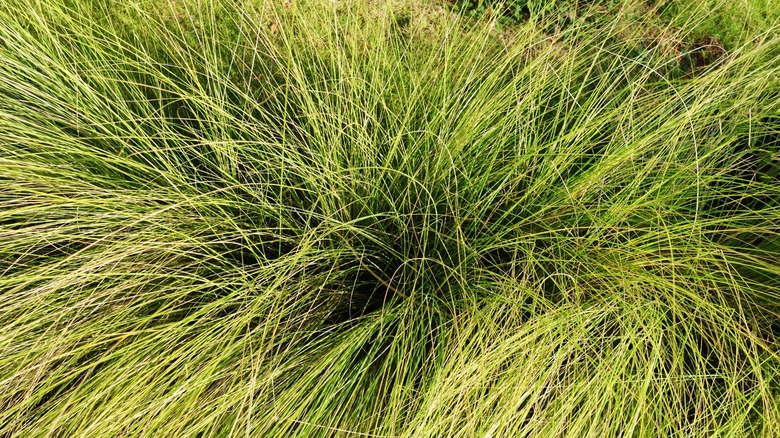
x,y
326,219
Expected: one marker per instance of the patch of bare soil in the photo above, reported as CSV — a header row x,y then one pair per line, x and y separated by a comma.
x,y
701,54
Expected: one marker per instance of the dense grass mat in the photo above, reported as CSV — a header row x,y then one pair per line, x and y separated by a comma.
x,y
321,218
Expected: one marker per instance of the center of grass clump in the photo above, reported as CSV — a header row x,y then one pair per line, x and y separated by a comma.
x,y
415,264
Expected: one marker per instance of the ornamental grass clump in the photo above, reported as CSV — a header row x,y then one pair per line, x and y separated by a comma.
x,y
316,218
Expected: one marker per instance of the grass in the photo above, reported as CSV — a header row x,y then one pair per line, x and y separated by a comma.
x,y
732,23
351,219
